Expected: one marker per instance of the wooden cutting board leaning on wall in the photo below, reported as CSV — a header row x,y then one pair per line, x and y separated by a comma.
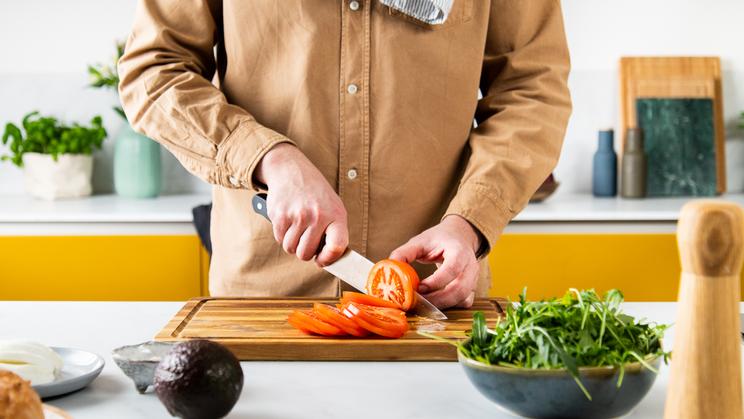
x,y
695,80
257,329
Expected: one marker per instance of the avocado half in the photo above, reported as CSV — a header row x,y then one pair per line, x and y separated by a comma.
x,y
199,379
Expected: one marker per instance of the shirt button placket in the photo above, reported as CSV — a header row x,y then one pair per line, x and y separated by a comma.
x,y
352,169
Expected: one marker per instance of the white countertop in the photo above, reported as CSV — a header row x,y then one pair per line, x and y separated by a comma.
x,y
100,209
272,390
177,208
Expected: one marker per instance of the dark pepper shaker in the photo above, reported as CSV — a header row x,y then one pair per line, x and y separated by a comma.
x,y
633,172
604,174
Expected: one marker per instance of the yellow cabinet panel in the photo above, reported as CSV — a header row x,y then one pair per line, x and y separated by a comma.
x,y
151,268
644,266
123,268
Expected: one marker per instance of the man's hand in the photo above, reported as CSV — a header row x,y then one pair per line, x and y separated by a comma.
x,y
302,206
452,245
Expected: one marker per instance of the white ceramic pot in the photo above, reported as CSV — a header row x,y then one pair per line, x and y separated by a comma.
x,y
68,177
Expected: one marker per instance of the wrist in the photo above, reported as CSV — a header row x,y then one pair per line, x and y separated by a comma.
x,y
470,234
272,162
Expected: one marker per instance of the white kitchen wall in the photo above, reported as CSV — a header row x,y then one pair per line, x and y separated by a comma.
x,y
45,46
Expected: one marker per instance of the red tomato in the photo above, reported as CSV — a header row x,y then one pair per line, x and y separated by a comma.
x,y
333,315
366,299
394,281
388,322
309,322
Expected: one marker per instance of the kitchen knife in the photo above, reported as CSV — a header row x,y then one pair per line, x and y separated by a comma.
x,y
354,268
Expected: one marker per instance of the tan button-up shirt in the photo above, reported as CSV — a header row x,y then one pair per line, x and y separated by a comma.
x,y
381,103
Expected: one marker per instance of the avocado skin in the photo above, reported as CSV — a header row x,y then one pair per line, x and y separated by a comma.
x,y
199,379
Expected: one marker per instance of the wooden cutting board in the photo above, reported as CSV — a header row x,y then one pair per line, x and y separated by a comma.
x,y
257,329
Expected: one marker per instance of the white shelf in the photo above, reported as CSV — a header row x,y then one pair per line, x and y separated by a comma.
x,y
586,208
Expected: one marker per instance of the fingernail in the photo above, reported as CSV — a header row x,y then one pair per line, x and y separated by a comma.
x,y
423,289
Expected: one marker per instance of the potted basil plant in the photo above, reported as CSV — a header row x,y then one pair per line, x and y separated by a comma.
x,y
56,158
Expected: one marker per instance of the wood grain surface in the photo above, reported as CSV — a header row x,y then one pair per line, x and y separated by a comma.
x,y
257,329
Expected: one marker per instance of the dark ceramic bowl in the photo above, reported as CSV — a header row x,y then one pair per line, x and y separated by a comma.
x,y
540,393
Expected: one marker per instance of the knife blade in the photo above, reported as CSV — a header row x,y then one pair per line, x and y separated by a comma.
x,y
353,269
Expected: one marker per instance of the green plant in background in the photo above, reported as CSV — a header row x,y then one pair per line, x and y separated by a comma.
x,y
578,330
47,135
741,120
106,76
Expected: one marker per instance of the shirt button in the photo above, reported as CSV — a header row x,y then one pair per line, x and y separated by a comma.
x,y
354,5
234,181
352,174
352,89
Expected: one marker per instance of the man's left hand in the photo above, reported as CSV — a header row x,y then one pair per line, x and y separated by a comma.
x,y
452,245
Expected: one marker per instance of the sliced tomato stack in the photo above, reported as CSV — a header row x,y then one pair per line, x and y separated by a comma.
x,y
383,321
391,288
334,316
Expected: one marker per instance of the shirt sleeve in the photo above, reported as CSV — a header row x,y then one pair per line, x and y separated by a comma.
x,y
167,93
522,116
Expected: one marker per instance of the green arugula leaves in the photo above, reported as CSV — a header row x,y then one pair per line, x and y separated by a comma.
x,y
577,330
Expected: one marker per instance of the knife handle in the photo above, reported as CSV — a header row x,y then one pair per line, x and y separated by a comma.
x,y
259,205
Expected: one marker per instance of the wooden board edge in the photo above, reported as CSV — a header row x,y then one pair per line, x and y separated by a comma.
x,y
323,350
179,321
720,134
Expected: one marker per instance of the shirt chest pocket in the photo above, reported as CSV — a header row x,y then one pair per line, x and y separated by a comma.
x,y
462,12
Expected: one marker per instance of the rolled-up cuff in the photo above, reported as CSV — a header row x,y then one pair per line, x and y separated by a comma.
x,y
240,153
488,214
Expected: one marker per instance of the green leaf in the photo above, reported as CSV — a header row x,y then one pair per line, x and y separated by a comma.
x,y
120,111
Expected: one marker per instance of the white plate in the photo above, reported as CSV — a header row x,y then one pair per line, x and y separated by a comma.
x,y
80,368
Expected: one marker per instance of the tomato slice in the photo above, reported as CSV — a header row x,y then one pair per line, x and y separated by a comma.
x,y
387,322
366,299
309,322
333,315
394,281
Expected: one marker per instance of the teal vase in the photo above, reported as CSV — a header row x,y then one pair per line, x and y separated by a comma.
x,y
136,165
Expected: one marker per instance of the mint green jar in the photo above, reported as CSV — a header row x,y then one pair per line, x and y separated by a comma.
x,y
136,165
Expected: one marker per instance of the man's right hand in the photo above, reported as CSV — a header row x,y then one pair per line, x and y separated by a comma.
x,y
302,206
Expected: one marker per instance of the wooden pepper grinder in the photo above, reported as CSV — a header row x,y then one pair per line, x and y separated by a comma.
x,y
705,380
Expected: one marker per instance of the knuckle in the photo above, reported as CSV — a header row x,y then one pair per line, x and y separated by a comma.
x,y
339,213
301,216
288,246
313,217
462,294
278,233
451,270
304,254
280,220
343,240
315,209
